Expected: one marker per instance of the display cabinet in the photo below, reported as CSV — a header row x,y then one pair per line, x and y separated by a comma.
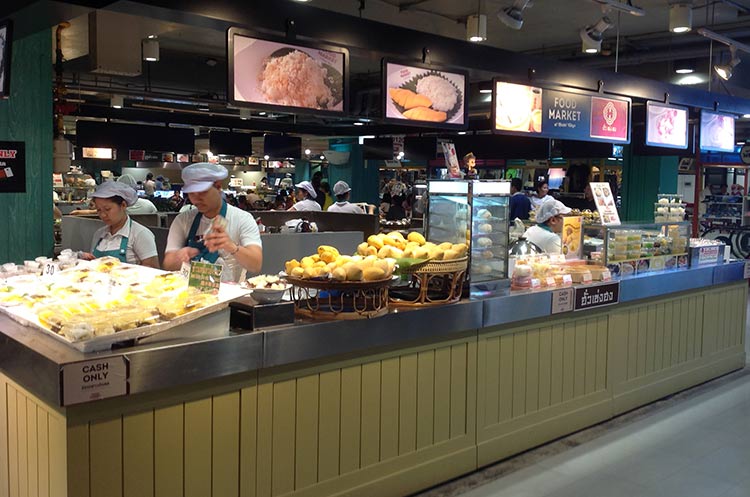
x,y
638,248
473,212
727,210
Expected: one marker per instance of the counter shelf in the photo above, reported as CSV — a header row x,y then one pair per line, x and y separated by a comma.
x,y
329,299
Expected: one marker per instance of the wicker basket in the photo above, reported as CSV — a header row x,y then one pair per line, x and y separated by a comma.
x,y
433,283
328,299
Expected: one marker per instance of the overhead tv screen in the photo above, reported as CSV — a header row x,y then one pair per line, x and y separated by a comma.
x,y
282,147
284,76
717,132
666,125
424,95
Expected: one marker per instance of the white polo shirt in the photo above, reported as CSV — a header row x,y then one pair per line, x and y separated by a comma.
x,y
142,206
306,205
241,228
347,207
546,240
141,243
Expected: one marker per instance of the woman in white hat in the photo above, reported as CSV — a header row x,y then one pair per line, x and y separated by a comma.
x,y
305,194
121,238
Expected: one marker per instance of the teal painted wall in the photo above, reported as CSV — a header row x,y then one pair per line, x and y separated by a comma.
x,y
643,178
361,175
26,224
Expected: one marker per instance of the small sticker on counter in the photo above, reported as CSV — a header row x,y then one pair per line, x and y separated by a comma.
x,y
94,380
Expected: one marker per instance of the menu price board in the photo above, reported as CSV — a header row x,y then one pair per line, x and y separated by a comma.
x,y
560,114
286,77
666,125
717,132
424,95
605,204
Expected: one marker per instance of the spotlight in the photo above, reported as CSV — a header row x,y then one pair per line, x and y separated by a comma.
x,y
591,36
266,157
116,101
684,67
680,17
357,123
725,70
150,50
322,157
476,28
307,151
513,16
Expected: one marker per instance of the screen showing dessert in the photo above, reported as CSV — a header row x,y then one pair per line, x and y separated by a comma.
x,y
517,108
666,125
717,132
424,94
279,74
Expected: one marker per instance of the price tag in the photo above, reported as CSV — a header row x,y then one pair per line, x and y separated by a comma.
x,y
567,279
535,283
550,281
747,270
51,268
586,278
606,275
185,270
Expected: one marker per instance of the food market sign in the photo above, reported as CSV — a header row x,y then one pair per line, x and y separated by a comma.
x,y
94,380
549,113
589,297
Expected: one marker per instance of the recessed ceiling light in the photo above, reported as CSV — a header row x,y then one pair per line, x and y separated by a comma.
x,y
485,90
261,113
462,132
116,101
357,123
307,151
684,67
151,37
266,157
690,79
204,109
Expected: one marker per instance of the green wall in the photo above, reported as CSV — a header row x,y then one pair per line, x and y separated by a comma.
x,y
26,225
643,177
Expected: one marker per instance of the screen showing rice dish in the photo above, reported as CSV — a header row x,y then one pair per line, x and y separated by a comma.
x,y
271,73
423,94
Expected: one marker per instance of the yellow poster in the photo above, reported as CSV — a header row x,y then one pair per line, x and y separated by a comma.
x,y
571,237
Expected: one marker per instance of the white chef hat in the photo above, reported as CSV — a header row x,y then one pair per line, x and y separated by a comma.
x,y
201,176
308,187
341,187
109,189
550,209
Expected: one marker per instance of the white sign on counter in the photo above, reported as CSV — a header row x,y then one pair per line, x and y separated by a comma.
x,y
746,273
94,380
562,300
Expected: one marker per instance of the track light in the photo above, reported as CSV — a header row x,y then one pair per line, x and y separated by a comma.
x,y
116,101
513,16
684,67
150,48
680,17
591,36
725,70
476,28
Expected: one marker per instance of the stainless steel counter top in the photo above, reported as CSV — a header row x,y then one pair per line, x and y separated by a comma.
x,y
35,360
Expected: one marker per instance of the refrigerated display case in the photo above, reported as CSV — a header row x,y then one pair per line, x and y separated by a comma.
x,y
473,212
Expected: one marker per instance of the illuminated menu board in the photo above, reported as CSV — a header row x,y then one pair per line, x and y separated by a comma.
x,y
666,125
717,132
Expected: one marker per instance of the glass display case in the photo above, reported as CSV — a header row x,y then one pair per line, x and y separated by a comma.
x,y
473,212
638,248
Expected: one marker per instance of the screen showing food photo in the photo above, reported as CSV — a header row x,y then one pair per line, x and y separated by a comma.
x,y
717,132
424,94
517,108
666,125
279,74
5,40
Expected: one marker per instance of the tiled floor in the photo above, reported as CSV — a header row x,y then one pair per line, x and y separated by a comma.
x,y
695,444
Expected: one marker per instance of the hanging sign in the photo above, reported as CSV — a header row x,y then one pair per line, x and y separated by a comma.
x,y
12,167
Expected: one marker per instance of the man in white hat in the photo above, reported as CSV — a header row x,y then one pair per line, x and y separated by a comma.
x,y
305,194
342,191
213,230
546,233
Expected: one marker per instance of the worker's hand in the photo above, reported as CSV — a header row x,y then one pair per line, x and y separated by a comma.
x,y
186,254
86,256
218,239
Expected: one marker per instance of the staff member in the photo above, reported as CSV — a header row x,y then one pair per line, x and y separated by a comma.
x,y
542,190
306,195
546,234
520,205
342,191
121,238
194,236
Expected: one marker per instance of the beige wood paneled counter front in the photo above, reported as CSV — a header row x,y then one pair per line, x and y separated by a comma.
x,y
385,423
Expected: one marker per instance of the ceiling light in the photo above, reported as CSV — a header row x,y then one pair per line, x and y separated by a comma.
x,y
591,36
261,113
476,28
266,157
513,16
462,132
357,123
691,79
485,90
746,116
322,157
245,114
151,37
621,6
725,70
684,67
400,155
680,17
307,151
150,50
204,108
116,101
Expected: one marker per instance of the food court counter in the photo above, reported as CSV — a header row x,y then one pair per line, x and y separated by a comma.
x,y
385,406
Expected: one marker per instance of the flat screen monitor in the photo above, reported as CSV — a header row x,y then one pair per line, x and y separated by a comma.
x,y
555,178
424,95
666,125
282,147
278,75
717,132
377,148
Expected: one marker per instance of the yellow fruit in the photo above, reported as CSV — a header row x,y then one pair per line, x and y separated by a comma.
x,y
450,254
421,253
384,265
397,235
319,264
373,274
446,245
396,253
371,250
339,274
362,248
307,262
429,245
401,244
437,254
328,248
353,271
461,248
385,251
330,267
343,260
409,252
297,272
375,241
416,237
327,256
390,241
310,272
315,257
289,265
